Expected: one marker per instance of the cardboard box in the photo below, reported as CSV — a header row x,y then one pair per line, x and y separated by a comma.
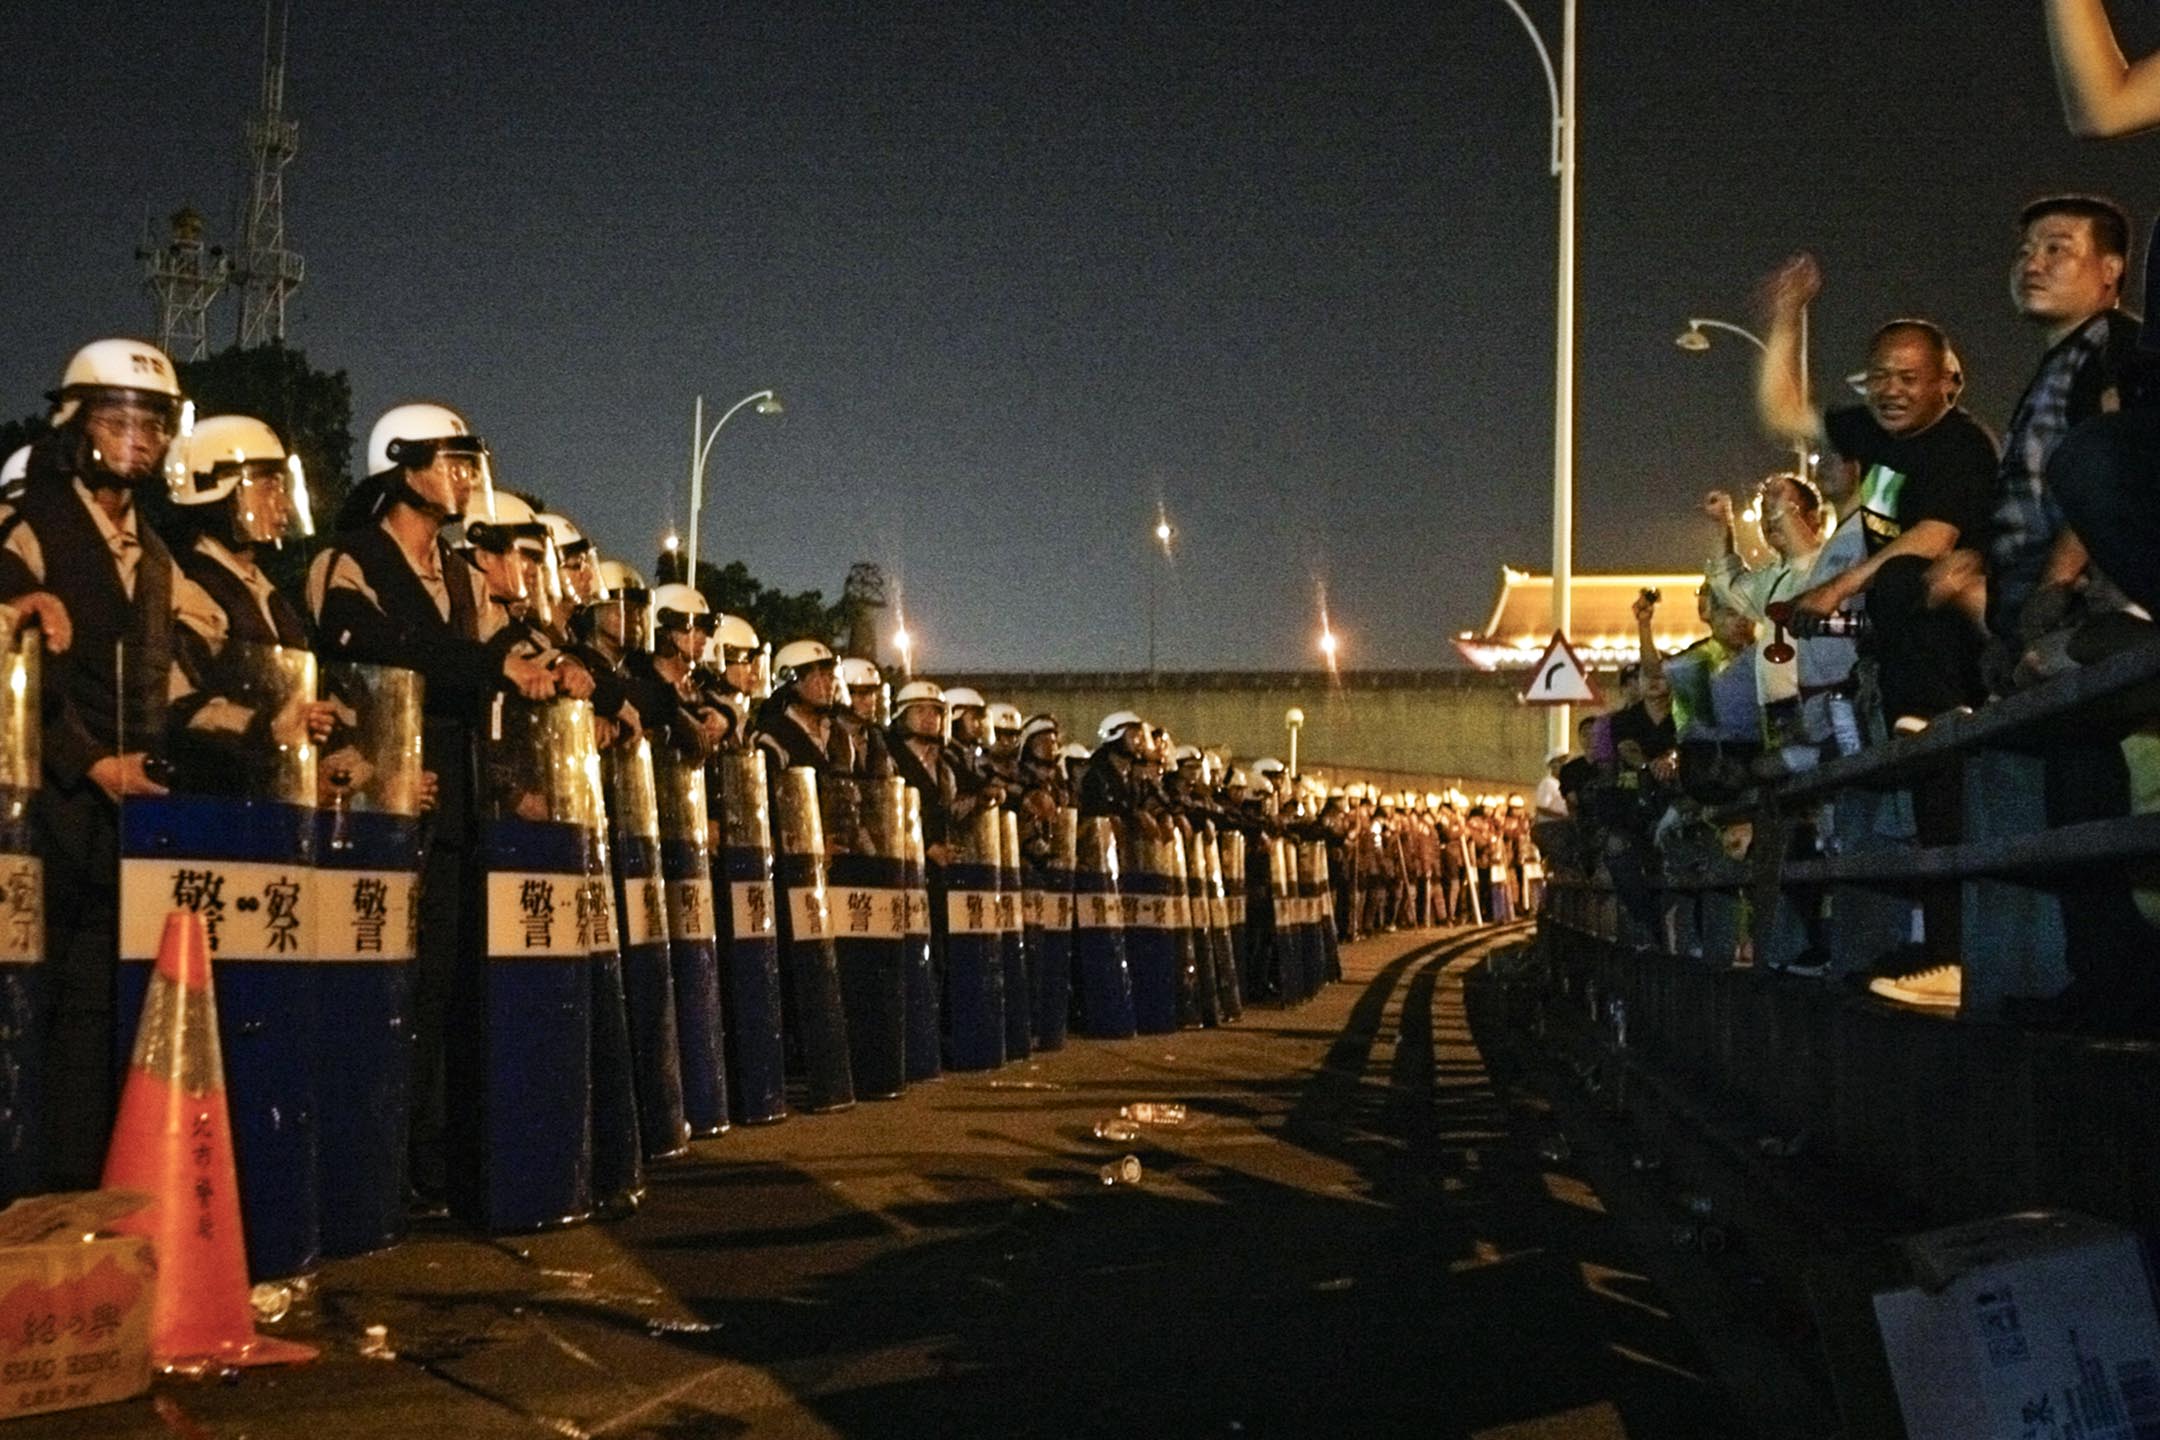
x,y
2035,1326
74,1303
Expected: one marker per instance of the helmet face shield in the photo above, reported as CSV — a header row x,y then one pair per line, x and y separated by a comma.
x,y
127,432
270,503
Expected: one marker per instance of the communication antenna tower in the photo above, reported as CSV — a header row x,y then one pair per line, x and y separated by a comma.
x,y
267,273
182,277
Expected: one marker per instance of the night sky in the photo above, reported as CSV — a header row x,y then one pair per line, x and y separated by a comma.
x,y
1019,270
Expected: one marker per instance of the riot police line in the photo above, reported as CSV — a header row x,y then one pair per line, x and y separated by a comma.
x,y
519,875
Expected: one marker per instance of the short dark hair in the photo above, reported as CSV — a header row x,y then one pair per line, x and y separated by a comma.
x,y
1909,328
2110,222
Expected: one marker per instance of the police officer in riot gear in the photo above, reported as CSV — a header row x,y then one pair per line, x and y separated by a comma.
x,y
662,679
796,725
75,553
967,721
1001,753
509,549
390,591
862,717
611,618
917,737
1115,782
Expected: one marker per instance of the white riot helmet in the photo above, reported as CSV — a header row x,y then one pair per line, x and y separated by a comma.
x,y
680,607
122,399
1116,723
410,438
1186,755
573,556
1268,768
239,459
16,468
859,674
1038,725
961,697
920,693
798,658
1004,719
1073,753
737,640
621,591
567,538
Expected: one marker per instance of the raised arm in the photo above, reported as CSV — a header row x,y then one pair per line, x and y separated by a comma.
x,y
1781,388
2103,94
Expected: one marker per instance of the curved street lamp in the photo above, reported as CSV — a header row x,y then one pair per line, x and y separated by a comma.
x,y
701,443
1694,341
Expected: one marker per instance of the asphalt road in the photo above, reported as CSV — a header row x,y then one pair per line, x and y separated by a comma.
x,y
1353,1234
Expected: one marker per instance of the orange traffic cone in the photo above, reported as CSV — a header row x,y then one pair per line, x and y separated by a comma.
x,y
173,1141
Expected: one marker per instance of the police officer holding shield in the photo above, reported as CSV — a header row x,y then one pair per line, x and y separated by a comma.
x,y
75,553
389,590
861,716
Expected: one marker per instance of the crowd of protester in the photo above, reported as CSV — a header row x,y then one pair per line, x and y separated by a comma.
x,y
1923,569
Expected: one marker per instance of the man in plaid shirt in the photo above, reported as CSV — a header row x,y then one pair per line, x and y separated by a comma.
x,y
2066,278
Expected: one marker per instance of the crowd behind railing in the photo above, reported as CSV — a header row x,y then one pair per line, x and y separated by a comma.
x,y
1887,603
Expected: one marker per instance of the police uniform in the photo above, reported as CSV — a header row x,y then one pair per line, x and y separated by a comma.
x,y
122,592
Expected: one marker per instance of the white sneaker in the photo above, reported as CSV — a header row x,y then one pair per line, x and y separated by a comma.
x,y
1938,988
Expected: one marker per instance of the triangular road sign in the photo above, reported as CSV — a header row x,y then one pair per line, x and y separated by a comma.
x,y
1560,677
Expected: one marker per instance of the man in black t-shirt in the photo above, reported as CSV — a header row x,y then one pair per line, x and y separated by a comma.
x,y
1926,488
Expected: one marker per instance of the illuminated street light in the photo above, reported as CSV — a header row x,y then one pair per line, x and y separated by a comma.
x,y
1165,538
671,542
1294,720
701,443
906,644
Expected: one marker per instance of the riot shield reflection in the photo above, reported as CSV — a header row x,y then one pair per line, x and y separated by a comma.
x,y
756,1054
809,965
869,904
22,912
234,841
520,1015
367,863
633,814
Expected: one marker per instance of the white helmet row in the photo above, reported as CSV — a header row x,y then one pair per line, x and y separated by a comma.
x,y
241,458
409,435
1116,723
133,368
918,692
798,658
961,697
859,674
1003,718
678,607
736,638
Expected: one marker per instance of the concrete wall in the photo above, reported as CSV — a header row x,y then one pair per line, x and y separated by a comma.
x,y
1433,723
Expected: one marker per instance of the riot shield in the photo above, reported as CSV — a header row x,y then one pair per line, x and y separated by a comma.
x,y
691,915
618,1150
1048,910
1012,943
809,965
1214,899
756,1053
974,963
868,898
640,895
1271,893
921,1003
1195,967
519,1027
1106,988
22,913
234,840
1150,931
1324,905
1237,909
367,864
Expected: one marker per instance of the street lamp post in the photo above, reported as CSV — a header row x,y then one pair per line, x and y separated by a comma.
x,y
1294,720
1694,341
1561,88
701,443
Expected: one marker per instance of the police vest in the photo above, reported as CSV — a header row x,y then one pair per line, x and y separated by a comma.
x,y
243,615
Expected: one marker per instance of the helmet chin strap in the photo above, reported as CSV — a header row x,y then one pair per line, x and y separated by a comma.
x,y
402,493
